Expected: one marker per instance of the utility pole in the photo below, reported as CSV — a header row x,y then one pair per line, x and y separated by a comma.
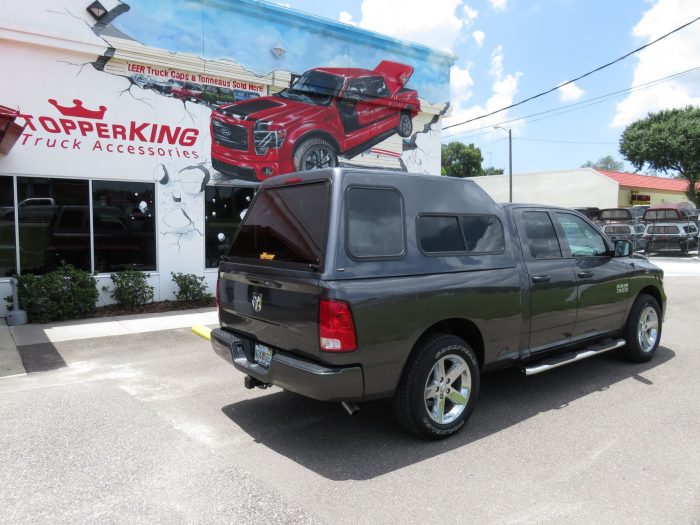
x,y
510,162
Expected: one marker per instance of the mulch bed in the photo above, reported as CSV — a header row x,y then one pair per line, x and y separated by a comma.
x,y
150,308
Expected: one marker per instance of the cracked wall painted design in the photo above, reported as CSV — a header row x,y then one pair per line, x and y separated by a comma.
x,y
113,114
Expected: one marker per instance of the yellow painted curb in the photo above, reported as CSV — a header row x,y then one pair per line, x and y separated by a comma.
x,y
202,331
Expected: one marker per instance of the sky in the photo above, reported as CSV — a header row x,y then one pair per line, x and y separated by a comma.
x,y
510,50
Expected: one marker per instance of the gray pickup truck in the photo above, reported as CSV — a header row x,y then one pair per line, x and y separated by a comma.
x,y
349,285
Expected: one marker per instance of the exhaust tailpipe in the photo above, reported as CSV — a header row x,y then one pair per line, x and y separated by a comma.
x,y
350,408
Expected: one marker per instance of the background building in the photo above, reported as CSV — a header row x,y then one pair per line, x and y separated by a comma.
x,y
585,187
117,165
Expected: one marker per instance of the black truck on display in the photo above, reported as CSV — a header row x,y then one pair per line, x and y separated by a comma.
x,y
349,285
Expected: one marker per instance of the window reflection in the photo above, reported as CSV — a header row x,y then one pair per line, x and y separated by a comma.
x,y
8,253
46,237
124,218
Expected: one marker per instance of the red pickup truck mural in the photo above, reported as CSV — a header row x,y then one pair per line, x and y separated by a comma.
x,y
325,113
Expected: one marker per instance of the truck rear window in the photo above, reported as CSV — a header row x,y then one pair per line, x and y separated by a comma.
x,y
285,225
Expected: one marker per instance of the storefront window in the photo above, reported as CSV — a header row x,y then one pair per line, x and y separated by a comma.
x,y
124,218
54,223
8,254
224,207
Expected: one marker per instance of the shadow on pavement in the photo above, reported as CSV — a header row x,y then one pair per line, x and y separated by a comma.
x,y
323,438
40,358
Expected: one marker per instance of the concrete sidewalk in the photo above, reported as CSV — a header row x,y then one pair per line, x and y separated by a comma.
x,y
12,337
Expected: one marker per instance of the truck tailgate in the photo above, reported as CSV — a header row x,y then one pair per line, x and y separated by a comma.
x,y
280,311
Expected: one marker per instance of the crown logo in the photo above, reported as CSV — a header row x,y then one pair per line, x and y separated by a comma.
x,y
78,110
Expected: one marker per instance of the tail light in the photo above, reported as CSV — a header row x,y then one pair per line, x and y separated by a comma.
x,y
336,329
218,299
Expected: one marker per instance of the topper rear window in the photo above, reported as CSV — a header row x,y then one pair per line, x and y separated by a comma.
x,y
286,225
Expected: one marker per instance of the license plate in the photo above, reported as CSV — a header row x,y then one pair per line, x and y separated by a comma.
x,y
263,355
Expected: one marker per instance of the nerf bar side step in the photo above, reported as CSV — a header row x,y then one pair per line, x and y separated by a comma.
x,y
565,359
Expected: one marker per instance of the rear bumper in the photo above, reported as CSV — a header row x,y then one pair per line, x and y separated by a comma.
x,y
308,378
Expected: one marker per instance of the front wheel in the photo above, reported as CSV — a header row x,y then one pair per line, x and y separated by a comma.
x,y
315,153
438,390
643,329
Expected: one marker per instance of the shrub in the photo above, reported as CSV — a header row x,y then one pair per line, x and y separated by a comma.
x,y
131,288
65,293
191,288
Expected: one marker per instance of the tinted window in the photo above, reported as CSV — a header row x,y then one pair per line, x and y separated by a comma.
x,y
375,223
285,225
615,215
43,243
482,234
124,218
540,235
8,260
440,234
582,238
224,208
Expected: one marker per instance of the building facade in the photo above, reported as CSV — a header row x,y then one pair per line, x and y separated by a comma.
x,y
142,129
585,187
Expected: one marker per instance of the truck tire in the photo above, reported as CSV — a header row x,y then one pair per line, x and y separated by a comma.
x,y
315,153
643,329
438,389
405,127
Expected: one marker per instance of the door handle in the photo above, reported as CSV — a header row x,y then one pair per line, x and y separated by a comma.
x,y
585,274
541,279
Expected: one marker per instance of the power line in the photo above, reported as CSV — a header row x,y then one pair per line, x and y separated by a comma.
x,y
588,102
562,141
577,78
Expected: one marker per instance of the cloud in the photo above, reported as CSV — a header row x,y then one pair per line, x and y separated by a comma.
x,y
570,92
503,91
675,54
479,37
498,5
346,18
438,26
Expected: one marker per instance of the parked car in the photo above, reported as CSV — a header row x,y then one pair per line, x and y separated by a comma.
x,y
620,223
325,113
216,96
187,91
116,245
591,212
349,285
670,226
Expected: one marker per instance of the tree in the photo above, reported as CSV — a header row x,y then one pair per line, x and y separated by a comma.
x,y
605,163
667,141
492,171
460,160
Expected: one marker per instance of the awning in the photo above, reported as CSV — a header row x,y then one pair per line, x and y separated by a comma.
x,y
9,130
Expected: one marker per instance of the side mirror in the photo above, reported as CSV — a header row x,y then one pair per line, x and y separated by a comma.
x,y
623,248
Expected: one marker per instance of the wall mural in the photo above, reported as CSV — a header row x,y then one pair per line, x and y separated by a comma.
x,y
162,91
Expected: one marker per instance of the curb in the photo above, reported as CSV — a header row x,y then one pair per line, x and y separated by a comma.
x,y
202,331
10,361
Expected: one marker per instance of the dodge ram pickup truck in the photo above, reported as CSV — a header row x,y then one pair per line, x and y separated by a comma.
x,y
325,113
350,285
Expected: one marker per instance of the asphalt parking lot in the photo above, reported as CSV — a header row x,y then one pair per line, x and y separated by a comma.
x,y
155,428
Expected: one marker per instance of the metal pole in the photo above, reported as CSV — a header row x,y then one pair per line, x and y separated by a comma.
x,y
510,167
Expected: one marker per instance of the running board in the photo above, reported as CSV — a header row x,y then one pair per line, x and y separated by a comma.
x,y
565,359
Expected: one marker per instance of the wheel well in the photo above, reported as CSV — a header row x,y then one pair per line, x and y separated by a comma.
x,y
319,134
463,329
654,292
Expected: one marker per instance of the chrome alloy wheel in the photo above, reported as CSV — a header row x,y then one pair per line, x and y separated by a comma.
x,y
648,329
447,389
318,157
405,125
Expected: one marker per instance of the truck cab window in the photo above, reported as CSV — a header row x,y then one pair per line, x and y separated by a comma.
x,y
581,237
541,236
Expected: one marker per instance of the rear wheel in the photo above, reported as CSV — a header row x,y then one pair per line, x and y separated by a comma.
x,y
643,329
439,387
315,153
405,125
